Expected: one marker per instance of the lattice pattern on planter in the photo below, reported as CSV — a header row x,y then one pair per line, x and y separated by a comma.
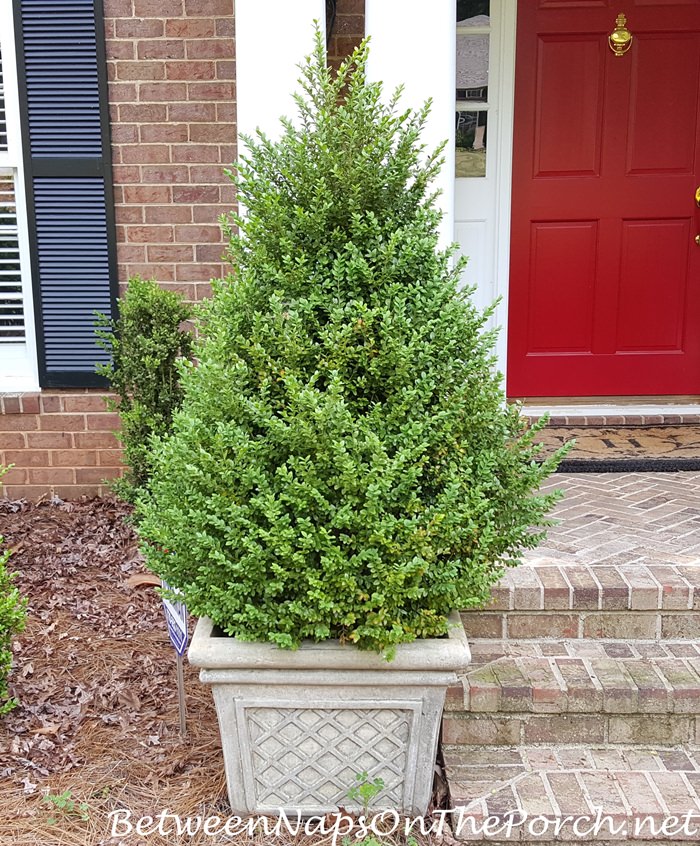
x,y
309,757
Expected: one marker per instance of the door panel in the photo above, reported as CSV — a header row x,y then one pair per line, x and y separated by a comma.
x,y
605,272
567,129
652,250
550,297
663,107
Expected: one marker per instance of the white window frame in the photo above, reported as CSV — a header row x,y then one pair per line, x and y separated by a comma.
x,y
19,371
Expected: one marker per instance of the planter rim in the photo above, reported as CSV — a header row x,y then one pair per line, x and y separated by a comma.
x,y
450,653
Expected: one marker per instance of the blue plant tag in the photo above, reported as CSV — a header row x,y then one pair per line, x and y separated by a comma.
x,y
176,618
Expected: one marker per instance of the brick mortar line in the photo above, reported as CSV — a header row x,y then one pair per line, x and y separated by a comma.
x,y
590,569
599,586
652,749
566,657
518,616
688,786
549,792
686,720
584,790
629,813
631,421
561,681
597,684
504,626
591,760
511,782
662,678
657,793
659,625
536,641
571,587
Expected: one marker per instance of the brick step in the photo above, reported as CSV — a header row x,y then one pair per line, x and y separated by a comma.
x,y
542,599
632,786
576,695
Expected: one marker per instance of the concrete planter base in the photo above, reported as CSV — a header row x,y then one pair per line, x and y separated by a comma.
x,y
296,727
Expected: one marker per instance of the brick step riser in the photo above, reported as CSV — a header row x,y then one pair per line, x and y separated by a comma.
x,y
526,698
612,625
517,729
597,587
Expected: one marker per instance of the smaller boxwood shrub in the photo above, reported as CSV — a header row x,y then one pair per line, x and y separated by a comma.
x,y
13,613
144,344
12,620
344,464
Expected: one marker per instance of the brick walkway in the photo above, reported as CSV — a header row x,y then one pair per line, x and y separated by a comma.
x,y
624,518
584,691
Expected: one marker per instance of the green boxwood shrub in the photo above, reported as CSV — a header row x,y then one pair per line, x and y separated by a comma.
x,y
343,463
144,343
13,614
12,618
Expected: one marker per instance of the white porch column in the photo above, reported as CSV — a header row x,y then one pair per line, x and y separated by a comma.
x,y
272,38
414,43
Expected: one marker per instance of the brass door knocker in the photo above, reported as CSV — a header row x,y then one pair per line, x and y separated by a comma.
x,y
620,39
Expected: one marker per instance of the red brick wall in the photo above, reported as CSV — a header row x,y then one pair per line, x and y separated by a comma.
x,y
61,442
348,30
171,67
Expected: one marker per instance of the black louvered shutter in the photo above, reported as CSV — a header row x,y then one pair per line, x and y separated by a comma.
x,y
63,93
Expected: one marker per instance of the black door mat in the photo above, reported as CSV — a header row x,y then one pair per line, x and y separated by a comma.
x,y
626,449
629,465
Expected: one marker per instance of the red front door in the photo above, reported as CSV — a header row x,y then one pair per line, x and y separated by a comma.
x,y
605,271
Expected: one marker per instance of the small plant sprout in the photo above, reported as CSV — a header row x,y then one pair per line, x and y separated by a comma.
x,y
366,790
66,805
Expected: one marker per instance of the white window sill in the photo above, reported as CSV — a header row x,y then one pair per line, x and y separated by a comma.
x,y
18,373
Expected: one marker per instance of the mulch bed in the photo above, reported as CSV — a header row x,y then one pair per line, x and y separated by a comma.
x,y
95,675
96,679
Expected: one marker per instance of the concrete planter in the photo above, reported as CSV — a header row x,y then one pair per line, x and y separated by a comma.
x,y
296,727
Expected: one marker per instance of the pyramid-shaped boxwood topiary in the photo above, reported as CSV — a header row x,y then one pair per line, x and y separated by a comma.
x,y
343,464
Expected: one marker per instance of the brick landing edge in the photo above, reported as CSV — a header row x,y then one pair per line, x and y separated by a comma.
x,y
636,788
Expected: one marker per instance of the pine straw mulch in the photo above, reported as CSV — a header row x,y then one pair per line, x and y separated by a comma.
x,y
96,679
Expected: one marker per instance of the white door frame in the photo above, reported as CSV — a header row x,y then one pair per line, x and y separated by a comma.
x,y
483,204
505,33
